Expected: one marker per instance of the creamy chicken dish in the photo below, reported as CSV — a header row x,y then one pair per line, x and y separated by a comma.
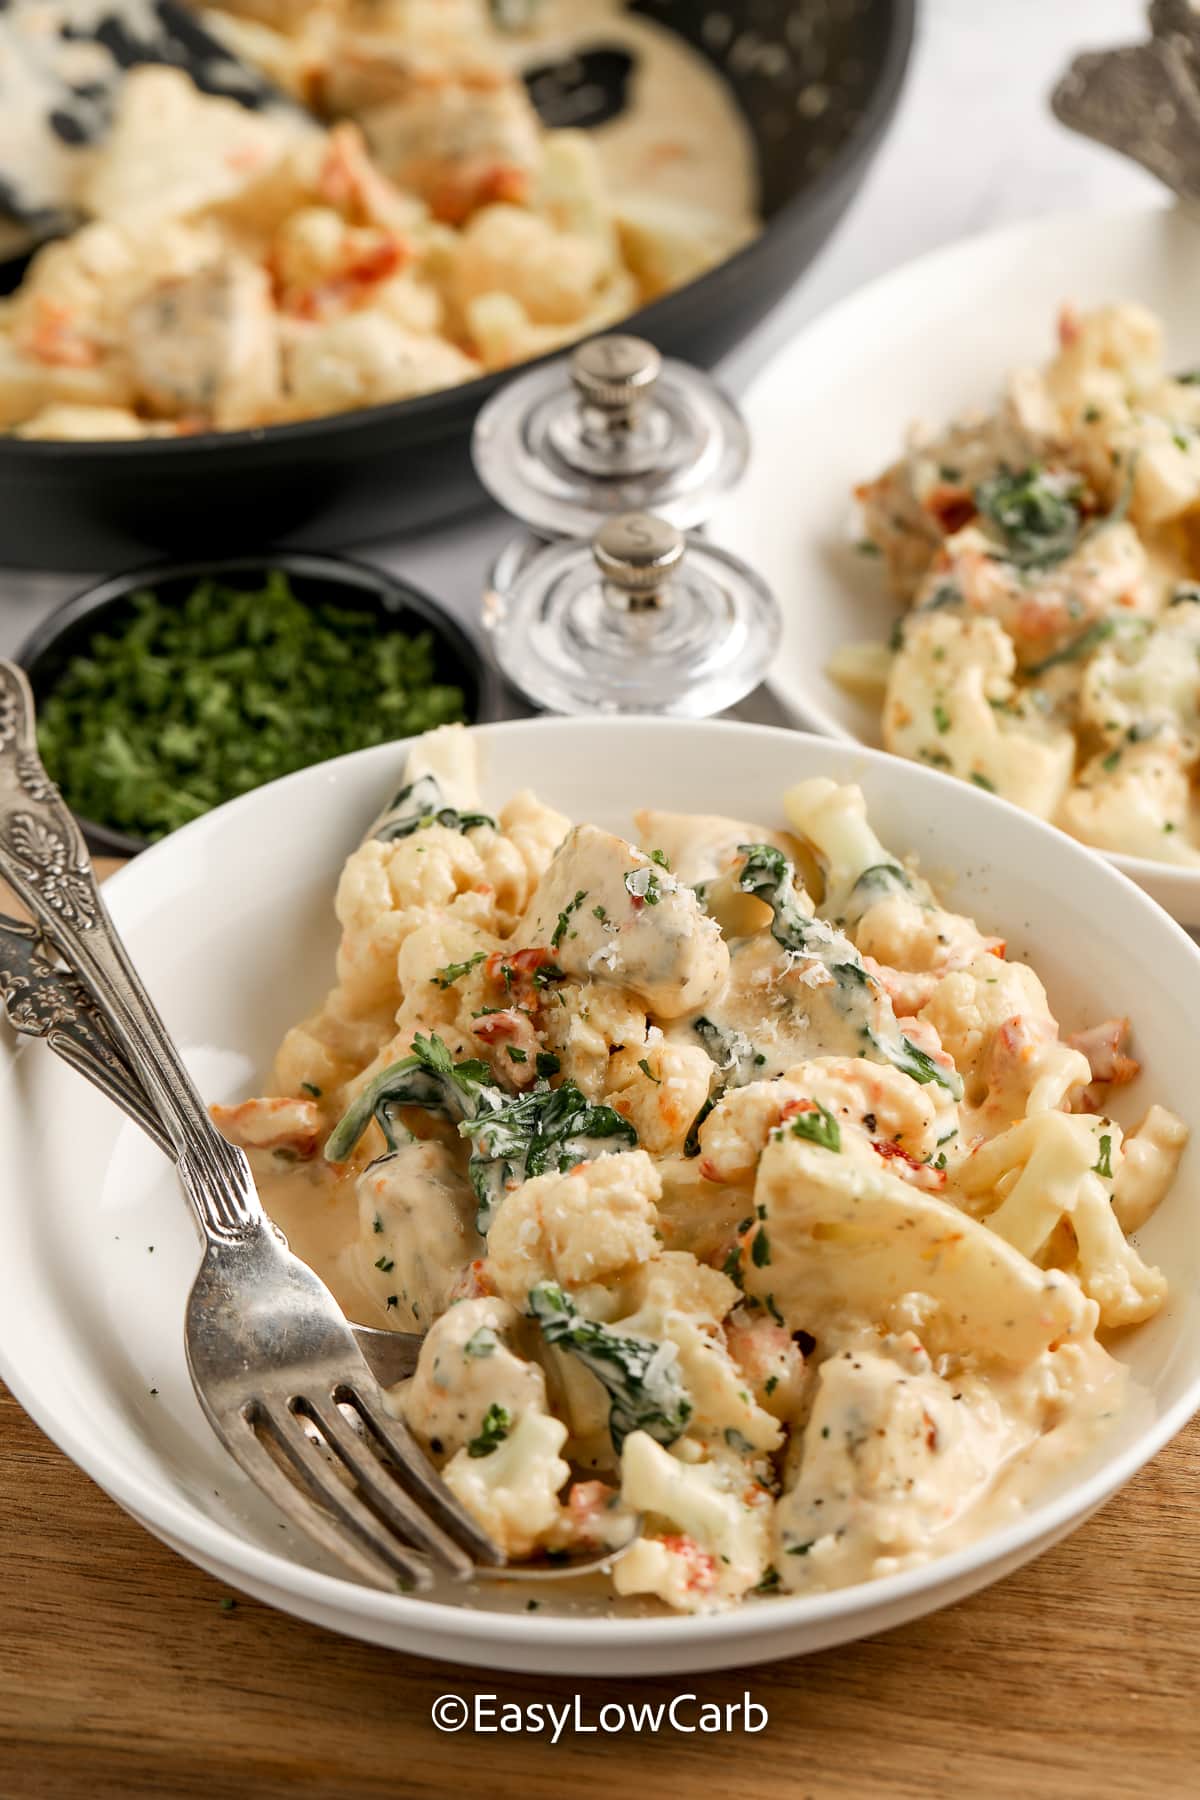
x,y
242,268
735,1183
1048,556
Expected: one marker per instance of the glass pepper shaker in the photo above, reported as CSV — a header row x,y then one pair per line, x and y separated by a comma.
x,y
635,619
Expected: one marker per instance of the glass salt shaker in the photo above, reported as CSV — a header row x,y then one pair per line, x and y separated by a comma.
x,y
636,619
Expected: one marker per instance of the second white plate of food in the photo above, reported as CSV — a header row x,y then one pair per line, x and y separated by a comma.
x,y
922,347
231,922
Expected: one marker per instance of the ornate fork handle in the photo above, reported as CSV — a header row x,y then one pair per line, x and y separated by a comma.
x,y
43,1000
43,857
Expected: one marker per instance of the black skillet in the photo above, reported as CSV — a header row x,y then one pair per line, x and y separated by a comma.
x,y
387,469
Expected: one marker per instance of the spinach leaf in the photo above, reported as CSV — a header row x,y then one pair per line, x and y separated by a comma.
x,y
768,874
421,804
1034,512
546,1128
641,1377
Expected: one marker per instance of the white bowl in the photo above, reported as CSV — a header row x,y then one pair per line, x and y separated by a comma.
x,y
231,923
925,342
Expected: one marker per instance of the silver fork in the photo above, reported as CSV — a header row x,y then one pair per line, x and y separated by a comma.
x,y
41,999
268,1348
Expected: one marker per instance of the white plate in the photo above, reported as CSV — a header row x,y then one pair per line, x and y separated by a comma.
x,y
231,923
925,343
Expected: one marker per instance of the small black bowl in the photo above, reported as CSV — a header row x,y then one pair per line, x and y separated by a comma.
x,y
69,629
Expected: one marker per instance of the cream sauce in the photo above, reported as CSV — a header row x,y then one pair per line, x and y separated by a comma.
x,y
681,136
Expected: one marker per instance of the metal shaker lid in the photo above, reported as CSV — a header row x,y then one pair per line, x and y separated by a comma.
x,y
612,428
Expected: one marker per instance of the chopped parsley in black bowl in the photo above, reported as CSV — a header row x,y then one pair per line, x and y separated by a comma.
x,y
163,692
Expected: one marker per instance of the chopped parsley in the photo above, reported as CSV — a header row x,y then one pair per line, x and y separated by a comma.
x,y
941,717
1103,1165
660,857
187,698
644,1066
547,1063
760,1248
515,1055
564,918
819,1127
497,1423
385,1263
453,972
310,1087
983,782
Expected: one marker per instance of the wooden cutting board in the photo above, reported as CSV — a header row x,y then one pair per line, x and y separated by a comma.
x,y
125,1672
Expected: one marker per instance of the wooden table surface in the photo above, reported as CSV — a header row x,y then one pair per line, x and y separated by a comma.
x,y
125,1672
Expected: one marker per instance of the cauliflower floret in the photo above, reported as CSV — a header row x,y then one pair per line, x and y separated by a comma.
x,y
892,912
840,1235
554,276
591,1226
1151,1157
471,1359
387,890
951,702
1058,1166
593,1021
677,1300
1136,801
994,1019
1146,679
536,830
720,1544
512,1490
365,359
659,1091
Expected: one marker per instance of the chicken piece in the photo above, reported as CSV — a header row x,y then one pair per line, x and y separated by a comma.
x,y
609,913
459,138
416,1213
1144,679
206,346
892,1455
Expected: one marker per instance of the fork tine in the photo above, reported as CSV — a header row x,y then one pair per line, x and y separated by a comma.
x,y
382,1490
244,1445
418,1474
356,1519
